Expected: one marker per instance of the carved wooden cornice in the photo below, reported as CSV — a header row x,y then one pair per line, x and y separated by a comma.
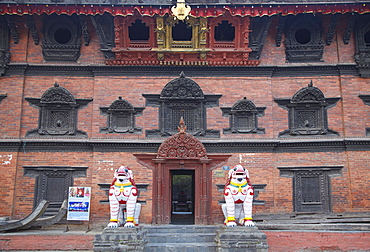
x,y
273,145
173,70
243,9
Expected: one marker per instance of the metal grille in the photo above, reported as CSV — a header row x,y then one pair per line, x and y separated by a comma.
x,y
123,121
243,122
188,116
307,119
59,119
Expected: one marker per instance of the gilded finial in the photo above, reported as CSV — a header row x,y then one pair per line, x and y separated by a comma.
x,y
182,127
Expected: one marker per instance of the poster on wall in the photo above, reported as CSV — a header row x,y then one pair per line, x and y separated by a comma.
x,y
79,203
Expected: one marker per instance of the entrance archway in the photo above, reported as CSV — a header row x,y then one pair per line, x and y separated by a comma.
x,y
182,152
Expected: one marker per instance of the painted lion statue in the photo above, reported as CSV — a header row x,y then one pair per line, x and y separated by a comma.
x,y
238,195
123,199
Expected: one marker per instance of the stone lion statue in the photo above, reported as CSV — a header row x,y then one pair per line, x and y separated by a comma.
x,y
238,195
123,199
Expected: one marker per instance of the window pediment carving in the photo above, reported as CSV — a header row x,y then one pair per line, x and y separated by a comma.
x,y
182,88
309,94
57,94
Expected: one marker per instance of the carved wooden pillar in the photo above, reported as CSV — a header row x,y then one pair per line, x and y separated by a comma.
x,y
203,32
117,31
161,32
245,31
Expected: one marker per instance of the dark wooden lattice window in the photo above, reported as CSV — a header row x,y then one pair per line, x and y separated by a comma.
x,y
62,38
138,31
307,112
362,35
311,187
224,31
58,113
366,100
304,41
4,45
52,183
121,117
182,97
182,31
243,117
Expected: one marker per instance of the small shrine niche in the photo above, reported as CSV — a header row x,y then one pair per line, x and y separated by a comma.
x,y
58,113
308,113
121,117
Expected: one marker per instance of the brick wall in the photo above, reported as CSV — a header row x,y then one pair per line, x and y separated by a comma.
x,y
349,118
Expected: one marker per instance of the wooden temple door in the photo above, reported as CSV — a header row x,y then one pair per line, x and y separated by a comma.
x,y
182,152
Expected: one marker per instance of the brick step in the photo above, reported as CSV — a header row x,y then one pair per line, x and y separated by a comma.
x,y
180,238
181,247
172,229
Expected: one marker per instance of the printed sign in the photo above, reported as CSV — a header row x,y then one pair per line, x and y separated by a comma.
x,y
79,203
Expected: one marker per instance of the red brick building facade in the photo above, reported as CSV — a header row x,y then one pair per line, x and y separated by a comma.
x,y
281,89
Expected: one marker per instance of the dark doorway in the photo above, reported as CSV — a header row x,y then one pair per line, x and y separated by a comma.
x,y
182,194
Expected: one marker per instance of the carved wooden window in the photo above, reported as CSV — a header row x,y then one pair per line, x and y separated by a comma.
x,y
243,117
2,97
304,38
133,32
228,32
366,100
121,117
62,38
183,34
180,36
52,183
307,112
311,187
138,31
182,31
362,35
4,45
182,97
224,31
58,113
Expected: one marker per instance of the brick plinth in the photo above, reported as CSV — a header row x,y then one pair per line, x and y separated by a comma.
x,y
291,241
278,241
